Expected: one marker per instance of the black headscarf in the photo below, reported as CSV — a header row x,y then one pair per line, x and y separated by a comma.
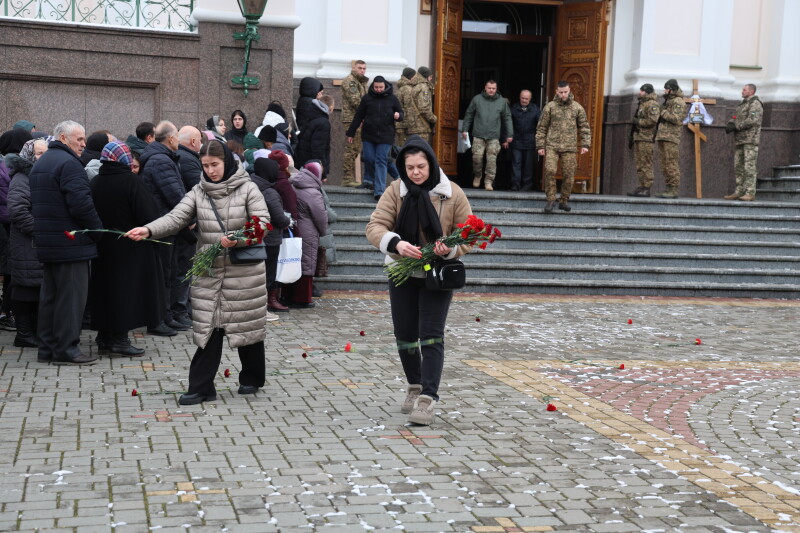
x,y
418,221
12,141
231,165
266,168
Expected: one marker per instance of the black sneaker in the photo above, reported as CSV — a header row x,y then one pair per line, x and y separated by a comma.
x,y
564,206
8,323
368,186
176,325
162,330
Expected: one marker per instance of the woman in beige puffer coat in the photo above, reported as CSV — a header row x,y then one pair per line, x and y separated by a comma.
x,y
232,301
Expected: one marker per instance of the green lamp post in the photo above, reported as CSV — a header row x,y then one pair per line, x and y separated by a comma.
x,y
252,10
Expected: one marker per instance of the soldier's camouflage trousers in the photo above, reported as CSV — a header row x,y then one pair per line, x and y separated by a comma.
x,y
744,167
400,137
491,147
351,152
569,163
643,153
669,158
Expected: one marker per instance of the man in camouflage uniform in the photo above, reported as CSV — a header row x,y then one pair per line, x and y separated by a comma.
x,y
419,117
403,92
557,138
645,122
489,113
746,128
670,127
354,86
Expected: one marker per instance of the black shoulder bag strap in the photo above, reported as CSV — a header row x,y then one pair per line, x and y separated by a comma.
x,y
216,213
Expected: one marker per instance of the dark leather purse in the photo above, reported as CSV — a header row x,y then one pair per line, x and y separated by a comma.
x,y
446,275
241,255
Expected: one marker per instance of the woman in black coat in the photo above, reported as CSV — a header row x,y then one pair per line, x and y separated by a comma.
x,y
314,142
265,176
238,128
126,288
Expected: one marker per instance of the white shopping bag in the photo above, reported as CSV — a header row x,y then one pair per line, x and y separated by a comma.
x,y
290,260
463,144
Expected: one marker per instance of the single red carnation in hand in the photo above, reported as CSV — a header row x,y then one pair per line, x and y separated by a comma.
x,y
348,347
361,333
551,407
698,341
227,373
69,235
622,366
134,392
630,321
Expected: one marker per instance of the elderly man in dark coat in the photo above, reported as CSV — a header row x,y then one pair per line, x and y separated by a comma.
x,y
126,288
162,177
62,202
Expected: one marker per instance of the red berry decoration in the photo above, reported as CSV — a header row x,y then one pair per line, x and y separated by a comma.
x,y
551,407
227,373
134,392
305,355
362,333
630,321
698,341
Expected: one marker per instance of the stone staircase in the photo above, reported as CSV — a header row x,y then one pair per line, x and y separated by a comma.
x,y
606,245
784,186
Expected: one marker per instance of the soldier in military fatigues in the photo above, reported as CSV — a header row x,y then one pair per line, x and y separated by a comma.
x,y
557,138
403,93
644,137
420,118
746,128
354,86
670,127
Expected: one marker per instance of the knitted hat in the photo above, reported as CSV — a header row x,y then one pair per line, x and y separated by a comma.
x,y
24,124
409,72
314,167
268,134
672,85
116,151
647,87
281,158
425,72
251,141
275,107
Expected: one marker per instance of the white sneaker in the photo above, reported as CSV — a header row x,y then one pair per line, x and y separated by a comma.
x,y
422,413
272,316
411,397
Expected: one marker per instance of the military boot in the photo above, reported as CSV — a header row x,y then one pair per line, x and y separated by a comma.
x,y
640,192
671,192
487,184
476,182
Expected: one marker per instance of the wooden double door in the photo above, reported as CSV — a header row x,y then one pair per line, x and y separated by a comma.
x,y
577,55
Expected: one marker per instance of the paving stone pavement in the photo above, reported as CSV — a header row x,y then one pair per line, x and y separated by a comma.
x,y
698,432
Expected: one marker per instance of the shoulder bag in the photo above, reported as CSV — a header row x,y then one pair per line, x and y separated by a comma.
x,y
244,255
445,275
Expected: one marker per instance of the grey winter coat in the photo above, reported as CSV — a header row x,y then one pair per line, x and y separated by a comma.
x,y
234,297
312,217
24,265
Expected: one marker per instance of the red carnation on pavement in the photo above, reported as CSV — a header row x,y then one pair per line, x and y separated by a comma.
x,y
551,407
622,366
69,235
305,355
348,347
227,373
698,341
362,333
630,321
477,319
134,392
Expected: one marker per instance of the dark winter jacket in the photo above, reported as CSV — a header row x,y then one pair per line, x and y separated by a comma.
x,y
126,290
189,166
277,215
233,133
161,176
5,179
94,147
24,266
315,139
62,202
525,121
309,88
283,143
313,219
376,111
288,197
135,143
488,116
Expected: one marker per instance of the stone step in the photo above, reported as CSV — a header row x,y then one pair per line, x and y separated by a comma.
x,y
790,184
612,287
367,255
786,171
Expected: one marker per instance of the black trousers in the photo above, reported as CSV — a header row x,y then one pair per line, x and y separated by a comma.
x,y
205,365
522,168
179,305
419,317
272,266
62,300
168,267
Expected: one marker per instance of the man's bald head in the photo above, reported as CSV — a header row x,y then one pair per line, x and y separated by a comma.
x,y
190,137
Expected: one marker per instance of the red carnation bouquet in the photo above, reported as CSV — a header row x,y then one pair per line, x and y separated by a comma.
x,y
471,232
252,233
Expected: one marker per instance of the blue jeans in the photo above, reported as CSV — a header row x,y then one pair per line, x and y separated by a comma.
x,y
376,157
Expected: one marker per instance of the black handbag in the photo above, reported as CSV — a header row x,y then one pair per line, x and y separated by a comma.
x,y
446,275
241,255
